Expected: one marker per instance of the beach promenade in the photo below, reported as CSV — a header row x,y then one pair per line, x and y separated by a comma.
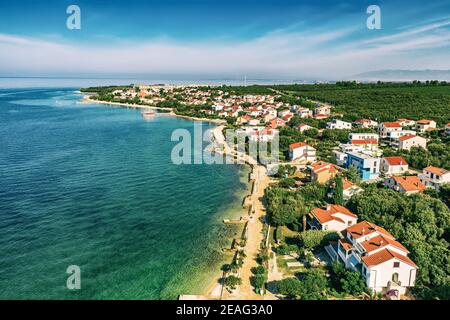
x,y
255,225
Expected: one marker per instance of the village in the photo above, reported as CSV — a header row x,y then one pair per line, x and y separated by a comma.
x,y
344,171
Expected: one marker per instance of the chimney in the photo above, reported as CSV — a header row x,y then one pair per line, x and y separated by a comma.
x,y
363,230
328,207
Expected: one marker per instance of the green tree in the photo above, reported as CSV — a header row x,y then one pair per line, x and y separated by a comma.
x,y
338,195
232,281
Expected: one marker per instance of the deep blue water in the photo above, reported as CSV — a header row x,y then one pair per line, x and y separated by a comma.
x,y
94,186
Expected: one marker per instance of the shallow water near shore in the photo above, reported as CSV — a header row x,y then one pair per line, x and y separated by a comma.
x,y
94,186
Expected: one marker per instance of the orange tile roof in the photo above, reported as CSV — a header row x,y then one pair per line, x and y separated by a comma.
x,y
383,256
346,184
365,141
410,183
407,137
424,121
391,124
297,145
365,228
321,166
396,161
380,241
436,170
327,214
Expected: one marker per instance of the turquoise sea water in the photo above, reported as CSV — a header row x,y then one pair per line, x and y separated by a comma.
x,y
93,186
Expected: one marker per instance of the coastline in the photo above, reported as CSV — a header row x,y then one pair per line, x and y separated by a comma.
x,y
87,99
214,289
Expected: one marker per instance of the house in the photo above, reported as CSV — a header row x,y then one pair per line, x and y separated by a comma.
x,y
447,129
303,127
378,256
394,165
398,134
425,125
409,141
368,167
406,122
322,110
369,147
366,123
254,121
322,172
302,152
350,189
304,112
434,177
332,218
363,136
405,184
283,113
366,144
263,135
243,119
276,122
338,124
386,128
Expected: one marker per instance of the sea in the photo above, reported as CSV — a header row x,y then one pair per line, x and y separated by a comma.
x,y
93,187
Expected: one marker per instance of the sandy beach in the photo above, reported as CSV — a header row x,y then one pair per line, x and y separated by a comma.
x,y
255,227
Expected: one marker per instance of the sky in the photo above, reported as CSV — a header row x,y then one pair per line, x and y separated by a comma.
x,y
267,39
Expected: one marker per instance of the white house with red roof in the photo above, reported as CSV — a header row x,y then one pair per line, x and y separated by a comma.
x,y
302,152
434,177
332,218
303,127
406,122
304,112
409,141
386,128
276,122
378,256
393,165
425,125
350,189
322,110
405,184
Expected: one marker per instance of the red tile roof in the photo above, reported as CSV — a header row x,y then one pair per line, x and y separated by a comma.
x,y
328,214
396,161
365,141
391,124
346,184
407,137
321,166
410,183
365,228
380,241
436,171
297,145
383,256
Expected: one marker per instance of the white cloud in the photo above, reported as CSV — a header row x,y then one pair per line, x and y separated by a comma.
x,y
328,54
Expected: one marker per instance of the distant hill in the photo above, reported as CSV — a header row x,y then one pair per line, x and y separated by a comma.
x,y
403,75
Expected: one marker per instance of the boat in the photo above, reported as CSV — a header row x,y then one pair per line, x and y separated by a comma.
x,y
148,114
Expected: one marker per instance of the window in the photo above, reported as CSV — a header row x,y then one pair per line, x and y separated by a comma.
x,y
396,264
395,277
